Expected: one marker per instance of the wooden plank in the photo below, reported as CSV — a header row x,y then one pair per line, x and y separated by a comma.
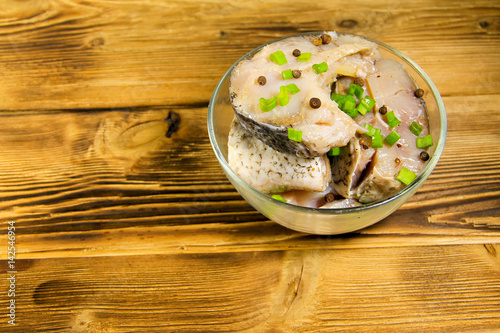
x,y
108,54
434,289
113,175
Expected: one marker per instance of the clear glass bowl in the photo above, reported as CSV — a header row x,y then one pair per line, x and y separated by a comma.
x,y
326,221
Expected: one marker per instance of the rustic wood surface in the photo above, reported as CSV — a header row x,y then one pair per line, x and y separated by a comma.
x,y
122,229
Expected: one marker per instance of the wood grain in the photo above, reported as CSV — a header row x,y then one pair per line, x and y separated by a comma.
x,y
76,54
116,169
122,229
435,289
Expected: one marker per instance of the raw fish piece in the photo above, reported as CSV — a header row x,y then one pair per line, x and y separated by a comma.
x,y
306,198
344,203
268,170
392,86
322,128
348,167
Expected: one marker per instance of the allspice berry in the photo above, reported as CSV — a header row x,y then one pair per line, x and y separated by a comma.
x,y
318,41
325,38
382,110
315,103
296,73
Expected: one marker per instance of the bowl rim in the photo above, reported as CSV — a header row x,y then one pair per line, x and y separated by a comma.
x,y
333,211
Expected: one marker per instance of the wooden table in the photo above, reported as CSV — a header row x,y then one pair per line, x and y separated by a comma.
x,y
119,228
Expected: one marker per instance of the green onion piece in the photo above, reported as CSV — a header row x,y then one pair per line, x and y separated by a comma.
x,y
336,97
292,88
392,138
362,109
288,74
320,68
392,120
344,99
278,197
304,57
425,142
406,176
377,141
268,104
335,151
349,107
283,96
278,57
294,134
367,103
357,90
372,131
415,128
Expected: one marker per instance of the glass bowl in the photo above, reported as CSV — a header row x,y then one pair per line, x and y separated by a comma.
x,y
322,221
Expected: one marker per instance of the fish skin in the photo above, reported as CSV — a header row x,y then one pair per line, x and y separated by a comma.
x,y
348,167
270,171
275,137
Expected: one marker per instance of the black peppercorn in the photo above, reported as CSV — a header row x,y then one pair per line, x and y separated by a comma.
x,y
325,38
296,53
382,110
329,197
419,93
296,73
315,103
262,80
424,156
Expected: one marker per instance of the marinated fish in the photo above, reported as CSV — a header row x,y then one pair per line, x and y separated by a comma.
x,y
391,87
268,170
329,124
260,78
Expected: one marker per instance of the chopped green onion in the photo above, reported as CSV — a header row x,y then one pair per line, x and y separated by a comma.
x,y
362,109
344,99
349,107
283,96
377,140
392,138
372,131
406,176
415,128
278,57
304,57
425,142
370,102
392,120
268,104
336,97
320,68
292,88
278,197
357,90
294,134
365,105
288,74
335,151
